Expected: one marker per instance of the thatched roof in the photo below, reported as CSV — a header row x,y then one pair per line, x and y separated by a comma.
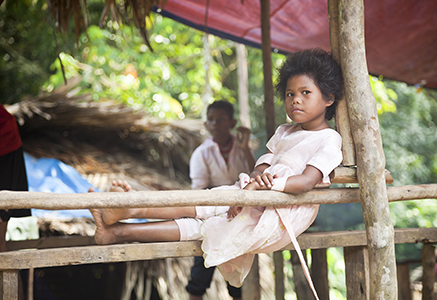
x,y
106,140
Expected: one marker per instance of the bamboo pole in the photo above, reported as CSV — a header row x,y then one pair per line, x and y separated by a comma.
x,y
54,201
269,104
342,123
243,86
370,155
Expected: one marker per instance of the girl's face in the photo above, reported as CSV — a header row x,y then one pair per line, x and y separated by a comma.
x,y
304,103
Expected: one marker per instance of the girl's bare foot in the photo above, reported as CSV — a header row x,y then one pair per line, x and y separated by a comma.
x,y
104,234
120,186
113,215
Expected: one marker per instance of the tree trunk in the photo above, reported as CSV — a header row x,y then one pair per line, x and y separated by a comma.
x,y
370,155
342,123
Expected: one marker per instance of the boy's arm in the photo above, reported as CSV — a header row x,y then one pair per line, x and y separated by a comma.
x,y
199,173
243,138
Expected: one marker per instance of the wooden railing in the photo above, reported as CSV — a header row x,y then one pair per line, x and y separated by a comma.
x,y
354,242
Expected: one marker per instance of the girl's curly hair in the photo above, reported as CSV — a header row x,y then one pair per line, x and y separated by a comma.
x,y
321,67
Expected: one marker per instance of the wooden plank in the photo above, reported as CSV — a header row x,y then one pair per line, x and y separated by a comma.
x,y
428,276
403,275
145,251
54,201
9,284
52,242
319,272
357,273
26,259
349,175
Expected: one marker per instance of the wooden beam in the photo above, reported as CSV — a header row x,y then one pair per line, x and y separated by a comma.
x,y
42,258
357,273
342,123
54,201
370,155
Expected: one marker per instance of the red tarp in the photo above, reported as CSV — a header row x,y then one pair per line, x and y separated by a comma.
x,y
401,35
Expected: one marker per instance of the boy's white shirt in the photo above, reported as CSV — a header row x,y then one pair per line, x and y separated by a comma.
x,y
209,169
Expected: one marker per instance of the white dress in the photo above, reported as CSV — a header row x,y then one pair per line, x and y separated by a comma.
x,y
231,244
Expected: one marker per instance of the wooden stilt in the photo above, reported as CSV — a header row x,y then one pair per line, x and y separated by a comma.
x,y
279,275
428,276
9,285
319,273
403,273
301,286
251,289
357,276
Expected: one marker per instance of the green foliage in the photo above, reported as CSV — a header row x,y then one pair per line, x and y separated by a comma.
x,y
409,136
26,48
384,96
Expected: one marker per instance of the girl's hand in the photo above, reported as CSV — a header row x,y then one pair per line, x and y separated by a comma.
x,y
254,186
265,180
243,137
234,211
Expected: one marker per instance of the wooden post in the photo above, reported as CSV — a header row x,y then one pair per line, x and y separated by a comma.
x,y
243,89
278,260
301,285
342,123
251,289
9,285
404,289
319,273
428,276
269,104
370,155
357,273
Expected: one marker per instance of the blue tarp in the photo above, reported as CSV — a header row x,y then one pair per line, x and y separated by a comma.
x,y
53,176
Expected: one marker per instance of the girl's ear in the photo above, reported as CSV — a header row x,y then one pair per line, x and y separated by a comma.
x,y
233,123
330,100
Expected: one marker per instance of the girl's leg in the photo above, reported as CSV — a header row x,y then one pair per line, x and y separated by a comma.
x,y
113,215
141,232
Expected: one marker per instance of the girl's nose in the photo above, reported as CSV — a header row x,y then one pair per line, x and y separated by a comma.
x,y
296,100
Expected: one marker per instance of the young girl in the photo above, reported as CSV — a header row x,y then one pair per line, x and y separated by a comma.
x,y
299,157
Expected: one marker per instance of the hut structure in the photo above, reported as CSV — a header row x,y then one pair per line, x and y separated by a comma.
x,y
370,265
75,130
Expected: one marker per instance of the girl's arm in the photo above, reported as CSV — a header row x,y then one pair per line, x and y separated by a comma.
x,y
304,182
294,184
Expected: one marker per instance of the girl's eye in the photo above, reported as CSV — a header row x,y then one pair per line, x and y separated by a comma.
x,y
289,94
306,92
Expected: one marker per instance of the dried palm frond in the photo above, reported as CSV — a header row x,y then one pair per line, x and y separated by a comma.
x,y
137,10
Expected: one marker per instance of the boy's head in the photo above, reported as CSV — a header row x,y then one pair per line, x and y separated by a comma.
x,y
321,67
220,119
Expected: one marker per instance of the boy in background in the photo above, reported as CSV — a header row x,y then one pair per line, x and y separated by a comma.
x,y
218,161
